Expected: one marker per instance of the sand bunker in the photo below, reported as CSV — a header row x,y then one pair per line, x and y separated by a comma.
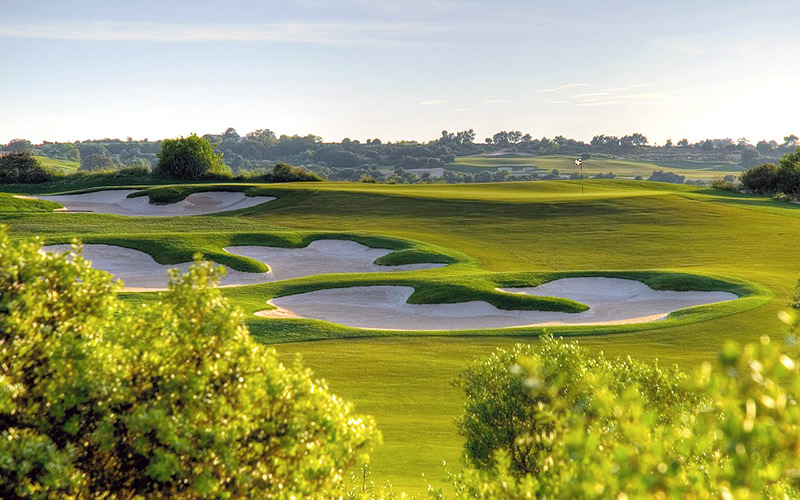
x,y
140,272
321,257
116,202
610,300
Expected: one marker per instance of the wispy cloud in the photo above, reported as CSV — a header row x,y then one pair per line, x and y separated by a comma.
x,y
494,101
179,32
430,103
461,110
564,87
627,95
626,99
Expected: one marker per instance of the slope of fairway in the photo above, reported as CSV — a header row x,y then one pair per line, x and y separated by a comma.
x,y
60,166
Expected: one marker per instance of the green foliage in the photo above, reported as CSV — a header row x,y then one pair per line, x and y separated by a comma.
x,y
189,158
551,421
761,179
97,162
527,415
172,399
770,178
284,172
21,168
724,185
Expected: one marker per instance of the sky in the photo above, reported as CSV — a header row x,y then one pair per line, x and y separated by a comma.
x,y
76,70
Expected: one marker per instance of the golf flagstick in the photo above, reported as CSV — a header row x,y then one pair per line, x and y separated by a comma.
x,y
579,163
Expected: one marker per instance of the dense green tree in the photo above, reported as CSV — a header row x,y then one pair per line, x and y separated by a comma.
x,y
19,146
761,179
103,399
189,158
788,177
21,168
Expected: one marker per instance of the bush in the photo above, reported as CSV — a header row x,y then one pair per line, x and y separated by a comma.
x,y
780,196
761,179
21,168
671,177
103,399
283,172
788,178
133,172
725,185
770,178
552,421
190,158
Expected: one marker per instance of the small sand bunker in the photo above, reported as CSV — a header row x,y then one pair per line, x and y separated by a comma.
x,y
116,201
140,272
322,257
610,300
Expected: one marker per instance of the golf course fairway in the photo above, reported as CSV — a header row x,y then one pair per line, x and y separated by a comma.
x,y
506,235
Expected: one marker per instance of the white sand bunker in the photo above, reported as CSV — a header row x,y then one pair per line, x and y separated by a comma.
x,y
116,201
321,257
140,272
610,300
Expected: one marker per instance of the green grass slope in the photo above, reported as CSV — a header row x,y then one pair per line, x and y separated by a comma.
x,y
60,166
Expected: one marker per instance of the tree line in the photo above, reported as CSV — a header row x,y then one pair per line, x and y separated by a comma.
x,y
259,150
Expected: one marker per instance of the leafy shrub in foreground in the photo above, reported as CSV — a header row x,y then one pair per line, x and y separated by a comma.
x,y
174,399
21,168
551,421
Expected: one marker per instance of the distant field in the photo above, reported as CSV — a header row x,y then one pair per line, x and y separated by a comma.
x,y
494,231
61,166
620,167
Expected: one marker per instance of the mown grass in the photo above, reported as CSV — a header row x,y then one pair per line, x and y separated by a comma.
x,y
510,229
619,166
59,166
11,203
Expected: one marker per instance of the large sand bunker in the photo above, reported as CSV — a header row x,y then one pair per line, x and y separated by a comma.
x,y
321,257
140,272
610,300
116,201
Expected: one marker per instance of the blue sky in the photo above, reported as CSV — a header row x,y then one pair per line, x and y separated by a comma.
x,y
398,70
